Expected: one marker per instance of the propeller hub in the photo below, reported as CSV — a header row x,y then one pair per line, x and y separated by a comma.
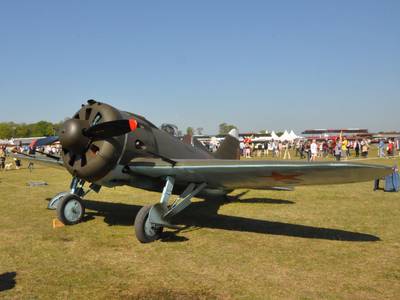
x,y
72,136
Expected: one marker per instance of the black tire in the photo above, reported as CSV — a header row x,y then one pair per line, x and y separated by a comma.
x,y
70,210
143,234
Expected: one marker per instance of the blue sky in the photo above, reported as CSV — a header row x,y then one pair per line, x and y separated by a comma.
x,y
255,64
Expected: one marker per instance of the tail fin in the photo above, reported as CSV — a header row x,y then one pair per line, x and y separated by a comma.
x,y
229,149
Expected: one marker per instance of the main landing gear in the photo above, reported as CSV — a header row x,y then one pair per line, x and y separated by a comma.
x,y
69,206
151,220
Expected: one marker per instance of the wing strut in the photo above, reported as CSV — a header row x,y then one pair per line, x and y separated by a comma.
x,y
151,220
161,213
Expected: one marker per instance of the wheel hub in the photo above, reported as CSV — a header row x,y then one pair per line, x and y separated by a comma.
x,y
73,210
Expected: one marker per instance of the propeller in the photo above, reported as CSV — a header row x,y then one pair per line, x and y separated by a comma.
x,y
96,132
76,135
110,129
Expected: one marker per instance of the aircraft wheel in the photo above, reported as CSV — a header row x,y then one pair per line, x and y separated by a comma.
x,y
145,231
70,209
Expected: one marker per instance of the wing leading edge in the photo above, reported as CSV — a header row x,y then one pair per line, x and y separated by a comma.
x,y
41,159
233,174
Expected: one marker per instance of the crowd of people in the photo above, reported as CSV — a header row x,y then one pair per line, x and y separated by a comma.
x,y
339,148
14,162
312,150
4,165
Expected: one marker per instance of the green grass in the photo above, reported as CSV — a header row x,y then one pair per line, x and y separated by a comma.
x,y
331,242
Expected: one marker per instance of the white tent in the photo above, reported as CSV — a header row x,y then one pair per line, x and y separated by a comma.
x,y
274,136
293,136
285,136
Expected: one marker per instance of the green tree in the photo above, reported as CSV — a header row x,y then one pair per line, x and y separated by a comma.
x,y
6,130
42,128
23,130
57,127
225,128
190,131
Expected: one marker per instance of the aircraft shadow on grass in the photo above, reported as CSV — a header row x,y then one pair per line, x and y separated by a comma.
x,y
205,214
7,281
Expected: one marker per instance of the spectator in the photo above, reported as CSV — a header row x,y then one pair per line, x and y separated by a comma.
x,y
279,148
390,148
314,150
2,157
17,163
349,145
337,151
320,149
356,147
302,149
259,149
297,153
344,147
242,149
364,148
287,152
265,151
332,146
325,148
247,147
381,149
307,150
270,148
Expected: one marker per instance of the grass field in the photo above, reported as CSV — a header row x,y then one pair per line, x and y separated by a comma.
x,y
325,242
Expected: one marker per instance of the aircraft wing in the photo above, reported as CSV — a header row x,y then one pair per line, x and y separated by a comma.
x,y
40,159
233,174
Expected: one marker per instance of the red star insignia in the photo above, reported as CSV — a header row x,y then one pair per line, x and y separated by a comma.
x,y
281,177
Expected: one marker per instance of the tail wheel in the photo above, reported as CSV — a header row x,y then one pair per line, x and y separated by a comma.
x,y
146,232
70,210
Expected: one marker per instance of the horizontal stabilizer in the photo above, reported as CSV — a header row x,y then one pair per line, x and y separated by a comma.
x,y
190,140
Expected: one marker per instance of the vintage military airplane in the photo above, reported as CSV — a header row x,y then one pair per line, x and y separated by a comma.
x,y
108,147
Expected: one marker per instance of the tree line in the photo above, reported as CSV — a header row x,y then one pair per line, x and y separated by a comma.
x,y
223,128
19,130
43,128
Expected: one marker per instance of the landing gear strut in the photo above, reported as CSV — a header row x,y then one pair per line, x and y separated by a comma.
x,y
76,187
69,206
151,220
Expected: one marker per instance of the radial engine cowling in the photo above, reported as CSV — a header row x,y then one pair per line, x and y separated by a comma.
x,y
86,158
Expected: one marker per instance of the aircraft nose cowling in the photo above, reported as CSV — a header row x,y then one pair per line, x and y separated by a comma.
x,y
72,138
86,156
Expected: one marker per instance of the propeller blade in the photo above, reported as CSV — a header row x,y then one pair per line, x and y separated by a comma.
x,y
111,129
